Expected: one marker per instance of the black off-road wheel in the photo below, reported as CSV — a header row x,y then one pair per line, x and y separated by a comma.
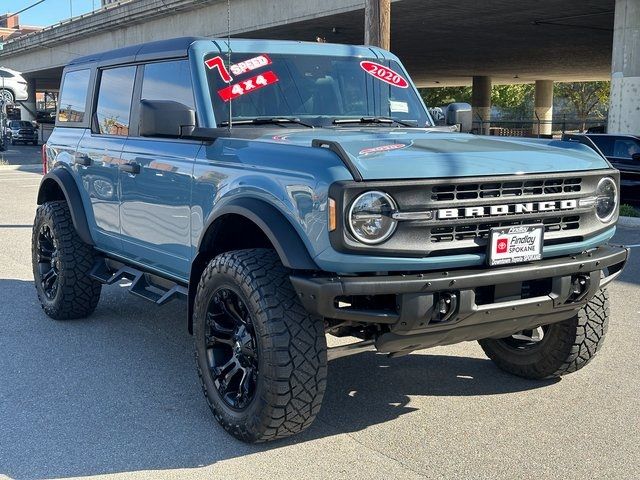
x,y
262,359
61,265
553,350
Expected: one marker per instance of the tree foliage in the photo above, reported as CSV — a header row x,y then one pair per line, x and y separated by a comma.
x,y
585,97
441,96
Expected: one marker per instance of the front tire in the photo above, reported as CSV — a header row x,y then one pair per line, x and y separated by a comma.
x,y
556,349
261,358
61,265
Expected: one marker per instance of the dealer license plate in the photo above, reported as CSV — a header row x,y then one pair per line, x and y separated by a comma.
x,y
516,244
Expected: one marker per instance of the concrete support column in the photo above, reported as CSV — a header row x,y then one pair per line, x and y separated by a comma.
x,y
377,23
28,107
543,107
624,106
481,104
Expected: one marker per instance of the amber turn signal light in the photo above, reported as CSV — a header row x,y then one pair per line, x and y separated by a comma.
x,y
332,215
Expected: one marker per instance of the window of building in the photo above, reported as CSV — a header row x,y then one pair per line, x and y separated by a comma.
x,y
73,99
168,81
114,100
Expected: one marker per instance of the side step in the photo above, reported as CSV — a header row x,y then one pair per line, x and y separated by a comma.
x,y
146,285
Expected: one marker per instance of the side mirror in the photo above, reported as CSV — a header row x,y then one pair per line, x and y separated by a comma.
x,y
636,157
459,114
165,118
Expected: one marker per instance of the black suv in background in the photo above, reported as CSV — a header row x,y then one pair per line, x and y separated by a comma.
x,y
22,131
623,152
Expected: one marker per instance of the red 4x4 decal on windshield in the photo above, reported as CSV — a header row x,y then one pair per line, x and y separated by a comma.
x,y
254,83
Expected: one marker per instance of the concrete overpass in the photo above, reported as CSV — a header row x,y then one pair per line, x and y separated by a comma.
x,y
441,42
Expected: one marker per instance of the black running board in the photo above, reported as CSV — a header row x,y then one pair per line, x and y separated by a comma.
x,y
146,285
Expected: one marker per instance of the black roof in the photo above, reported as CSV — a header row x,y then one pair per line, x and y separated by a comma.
x,y
172,48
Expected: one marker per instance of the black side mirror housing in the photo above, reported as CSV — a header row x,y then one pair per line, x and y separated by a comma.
x,y
636,157
459,114
165,118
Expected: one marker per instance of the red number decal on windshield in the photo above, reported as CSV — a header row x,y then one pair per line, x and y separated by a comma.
x,y
384,73
245,86
217,62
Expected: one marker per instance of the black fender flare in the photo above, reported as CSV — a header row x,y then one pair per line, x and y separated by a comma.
x,y
283,236
61,178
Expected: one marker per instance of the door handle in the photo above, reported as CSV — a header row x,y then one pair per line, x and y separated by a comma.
x,y
131,167
82,159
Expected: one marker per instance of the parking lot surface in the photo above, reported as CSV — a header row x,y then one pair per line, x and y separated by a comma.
x,y
117,394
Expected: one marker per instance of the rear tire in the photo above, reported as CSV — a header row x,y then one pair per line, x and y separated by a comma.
x,y
61,265
564,348
261,358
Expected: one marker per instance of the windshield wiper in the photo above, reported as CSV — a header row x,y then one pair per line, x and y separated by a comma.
x,y
378,120
267,121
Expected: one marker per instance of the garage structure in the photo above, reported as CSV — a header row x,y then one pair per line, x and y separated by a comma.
x,y
441,43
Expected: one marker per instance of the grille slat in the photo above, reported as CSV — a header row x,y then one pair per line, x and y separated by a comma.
x,y
481,231
506,189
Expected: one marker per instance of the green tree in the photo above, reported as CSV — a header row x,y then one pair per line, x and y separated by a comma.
x,y
515,100
441,96
585,97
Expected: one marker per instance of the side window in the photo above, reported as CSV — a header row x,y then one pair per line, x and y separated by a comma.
x,y
114,100
625,148
73,98
168,81
604,143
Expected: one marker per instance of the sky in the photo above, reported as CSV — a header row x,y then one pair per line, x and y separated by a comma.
x,y
49,11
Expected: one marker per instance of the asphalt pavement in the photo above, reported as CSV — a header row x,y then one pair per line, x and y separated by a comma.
x,y
117,395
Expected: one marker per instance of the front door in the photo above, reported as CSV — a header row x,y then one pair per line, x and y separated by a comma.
x,y
156,188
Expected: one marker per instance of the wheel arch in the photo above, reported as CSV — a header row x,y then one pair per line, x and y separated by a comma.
x,y
59,184
247,223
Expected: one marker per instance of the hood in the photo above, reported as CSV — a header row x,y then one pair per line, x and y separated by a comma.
x,y
404,153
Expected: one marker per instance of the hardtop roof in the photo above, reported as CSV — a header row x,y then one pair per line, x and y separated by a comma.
x,y
179,47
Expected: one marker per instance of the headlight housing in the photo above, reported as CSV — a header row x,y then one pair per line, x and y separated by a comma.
x,y
370,218
606,199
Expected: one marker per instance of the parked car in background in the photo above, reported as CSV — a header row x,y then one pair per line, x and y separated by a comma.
x,y
623,151
13,86
22,131
46,116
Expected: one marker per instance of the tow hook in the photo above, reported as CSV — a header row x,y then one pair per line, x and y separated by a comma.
x,y
445,308
579,287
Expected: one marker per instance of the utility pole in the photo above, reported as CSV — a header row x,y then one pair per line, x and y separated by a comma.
x,y
377,23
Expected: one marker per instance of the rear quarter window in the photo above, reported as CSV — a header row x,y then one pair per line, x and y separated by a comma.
x,y
73,98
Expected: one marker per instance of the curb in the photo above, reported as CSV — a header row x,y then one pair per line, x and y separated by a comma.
x,y
629,221
31,167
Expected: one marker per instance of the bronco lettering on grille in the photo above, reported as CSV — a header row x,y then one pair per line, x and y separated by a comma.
x,y
529,207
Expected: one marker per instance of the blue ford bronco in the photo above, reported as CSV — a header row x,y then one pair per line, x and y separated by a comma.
x,y
290,190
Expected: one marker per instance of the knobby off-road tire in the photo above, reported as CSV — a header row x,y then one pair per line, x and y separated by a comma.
x,y
61,265
566,346
263,368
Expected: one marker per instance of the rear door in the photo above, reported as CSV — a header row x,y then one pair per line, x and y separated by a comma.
x,y
99,154
156,194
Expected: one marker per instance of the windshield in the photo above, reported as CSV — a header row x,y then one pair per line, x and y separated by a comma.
x,y
315,89
18,124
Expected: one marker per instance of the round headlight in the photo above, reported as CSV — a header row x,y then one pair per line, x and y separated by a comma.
x,y
606,199
370,217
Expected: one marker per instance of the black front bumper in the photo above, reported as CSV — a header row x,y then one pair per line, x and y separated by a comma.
x,y
410,324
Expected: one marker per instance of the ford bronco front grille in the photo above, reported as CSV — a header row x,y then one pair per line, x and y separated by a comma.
x,y
471,232
506,189
447,217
